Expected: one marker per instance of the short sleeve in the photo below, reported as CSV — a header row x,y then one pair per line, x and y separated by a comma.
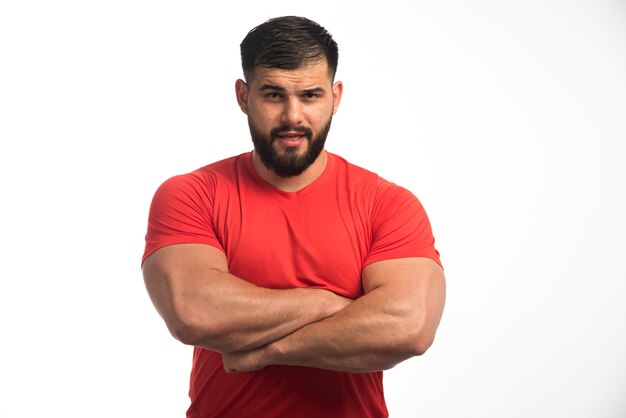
x,y
400,226
181,213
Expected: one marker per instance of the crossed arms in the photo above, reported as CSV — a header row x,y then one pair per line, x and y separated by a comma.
x,y
253,327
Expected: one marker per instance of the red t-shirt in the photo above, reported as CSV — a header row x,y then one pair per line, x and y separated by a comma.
x,y
321,236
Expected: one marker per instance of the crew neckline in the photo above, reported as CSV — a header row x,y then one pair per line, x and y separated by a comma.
x,y
311,187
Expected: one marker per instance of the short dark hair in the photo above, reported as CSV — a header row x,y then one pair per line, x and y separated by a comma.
x,y
288,42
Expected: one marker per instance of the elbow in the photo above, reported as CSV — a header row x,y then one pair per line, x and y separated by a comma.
x,y
415,345
186,328
419,339
185,333
182,330
411,346
420,330
211,336
421,345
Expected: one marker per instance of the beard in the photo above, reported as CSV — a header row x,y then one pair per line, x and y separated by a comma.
x,y
288,163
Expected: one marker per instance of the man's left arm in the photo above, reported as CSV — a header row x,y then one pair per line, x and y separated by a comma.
x,y
394,320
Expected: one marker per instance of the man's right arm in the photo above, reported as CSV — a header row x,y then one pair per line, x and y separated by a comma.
x,y
203,305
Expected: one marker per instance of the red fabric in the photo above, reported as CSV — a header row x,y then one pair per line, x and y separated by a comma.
x,y
321,236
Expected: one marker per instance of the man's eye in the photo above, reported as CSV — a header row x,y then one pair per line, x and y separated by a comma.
x,y
273,95
310,95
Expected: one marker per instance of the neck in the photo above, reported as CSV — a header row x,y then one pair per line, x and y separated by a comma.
x,y
290,184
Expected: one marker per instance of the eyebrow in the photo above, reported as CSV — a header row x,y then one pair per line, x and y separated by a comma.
x,y
314,90
271,87
282,89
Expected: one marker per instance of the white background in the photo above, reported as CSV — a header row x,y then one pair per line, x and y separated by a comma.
x,y
507,119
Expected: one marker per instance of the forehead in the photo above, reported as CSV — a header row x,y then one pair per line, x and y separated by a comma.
x,y
305,76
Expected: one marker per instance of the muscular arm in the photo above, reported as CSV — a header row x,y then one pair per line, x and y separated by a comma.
x,y
203,305
396,319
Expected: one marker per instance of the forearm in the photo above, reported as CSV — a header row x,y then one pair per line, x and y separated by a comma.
x,y
396,319
203,305
233,315
365,336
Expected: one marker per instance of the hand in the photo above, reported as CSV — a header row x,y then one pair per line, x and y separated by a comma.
x,y
244,361
334,302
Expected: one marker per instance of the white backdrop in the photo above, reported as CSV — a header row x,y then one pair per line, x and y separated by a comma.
x,y
507,119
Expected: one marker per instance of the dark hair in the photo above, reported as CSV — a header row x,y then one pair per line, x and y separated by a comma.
x,y
288,42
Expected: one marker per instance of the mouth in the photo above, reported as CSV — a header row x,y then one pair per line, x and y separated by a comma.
x,y
291,139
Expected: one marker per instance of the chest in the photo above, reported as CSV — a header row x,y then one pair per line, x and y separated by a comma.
x,y
319,240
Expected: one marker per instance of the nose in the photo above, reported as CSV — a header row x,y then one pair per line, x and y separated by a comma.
x,y
292,113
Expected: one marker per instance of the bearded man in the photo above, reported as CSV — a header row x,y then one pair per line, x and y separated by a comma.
x,y
297,276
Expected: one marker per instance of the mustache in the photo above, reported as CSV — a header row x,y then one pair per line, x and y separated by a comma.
x,y
284,128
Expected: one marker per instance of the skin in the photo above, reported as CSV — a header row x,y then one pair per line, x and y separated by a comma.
x,y
304,97
204,305
396,319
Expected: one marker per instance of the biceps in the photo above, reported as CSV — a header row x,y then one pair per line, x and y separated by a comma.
x,y
174,271
414,286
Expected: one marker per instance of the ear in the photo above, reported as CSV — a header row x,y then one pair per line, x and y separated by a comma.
x,y
337,92
241,89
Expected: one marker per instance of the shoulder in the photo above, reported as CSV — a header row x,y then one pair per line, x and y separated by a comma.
x,y
204,178
355,178
344,167
391,193
378,188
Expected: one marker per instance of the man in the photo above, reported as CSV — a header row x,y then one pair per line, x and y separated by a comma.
x,y
297,276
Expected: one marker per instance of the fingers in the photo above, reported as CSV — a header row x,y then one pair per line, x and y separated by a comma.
x,y
242,361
